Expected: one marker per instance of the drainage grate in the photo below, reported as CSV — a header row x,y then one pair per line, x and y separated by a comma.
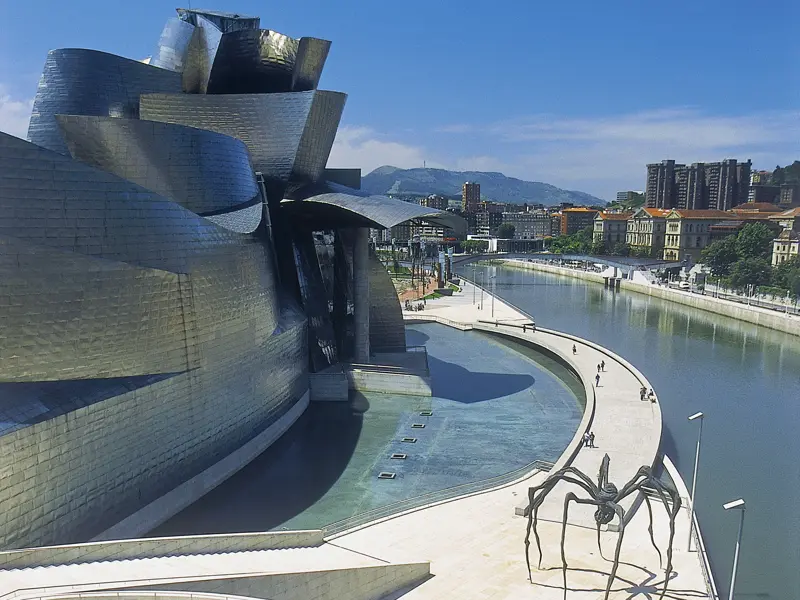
x,y
386,475
399,456
426,413
418,426
409,440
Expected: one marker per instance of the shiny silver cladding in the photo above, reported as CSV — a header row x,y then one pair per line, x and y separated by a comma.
x,y
201,170
274,127
87,82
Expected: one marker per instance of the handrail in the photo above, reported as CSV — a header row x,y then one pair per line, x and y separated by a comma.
x,y
424,500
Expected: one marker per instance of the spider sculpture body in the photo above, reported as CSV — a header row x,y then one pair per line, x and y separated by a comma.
x,y
606,497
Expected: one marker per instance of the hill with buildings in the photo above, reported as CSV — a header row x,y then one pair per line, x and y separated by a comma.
x,y
494,186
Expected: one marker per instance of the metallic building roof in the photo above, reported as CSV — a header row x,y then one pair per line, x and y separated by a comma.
x,y
357,209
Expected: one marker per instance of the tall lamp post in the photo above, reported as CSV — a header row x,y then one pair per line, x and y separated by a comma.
x,y
696,416
738,505
474,282
493,277
483,282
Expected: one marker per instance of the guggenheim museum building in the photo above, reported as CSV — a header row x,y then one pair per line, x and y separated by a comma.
x,y
177,264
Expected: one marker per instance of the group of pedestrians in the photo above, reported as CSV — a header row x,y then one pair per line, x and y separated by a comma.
x,y
645,395
588,440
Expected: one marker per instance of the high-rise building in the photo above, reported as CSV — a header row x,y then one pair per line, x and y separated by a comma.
x,y
699,186
528,225
470,196
486,222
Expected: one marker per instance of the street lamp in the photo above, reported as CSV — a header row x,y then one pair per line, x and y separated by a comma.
x,y
474,283
695,416
493,277
736,504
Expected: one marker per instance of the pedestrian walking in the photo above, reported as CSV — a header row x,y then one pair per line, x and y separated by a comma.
x,y
586,439
597,380
574,349
591,440
603,365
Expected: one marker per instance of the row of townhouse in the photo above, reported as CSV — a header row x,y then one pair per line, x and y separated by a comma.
x,y
682,234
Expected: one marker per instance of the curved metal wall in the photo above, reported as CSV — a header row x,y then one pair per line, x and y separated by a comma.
x,y
104,318
270,125
311,56
202,170
76,81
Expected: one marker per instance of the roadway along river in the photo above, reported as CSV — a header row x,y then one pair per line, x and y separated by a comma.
x,y
746,379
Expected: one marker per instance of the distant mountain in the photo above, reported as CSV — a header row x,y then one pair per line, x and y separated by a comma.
x,y
494,186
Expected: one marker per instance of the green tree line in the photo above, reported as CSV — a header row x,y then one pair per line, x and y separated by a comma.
x,y
743,260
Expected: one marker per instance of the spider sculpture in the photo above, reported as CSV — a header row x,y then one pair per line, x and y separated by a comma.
x,y
606,497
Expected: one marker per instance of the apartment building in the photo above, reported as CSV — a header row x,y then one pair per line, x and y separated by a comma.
x,y
646,230
435,201
470,196
574,220
529,225
699,186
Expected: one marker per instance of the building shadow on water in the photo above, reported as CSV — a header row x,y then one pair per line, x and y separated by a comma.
x,y
282,482
454,382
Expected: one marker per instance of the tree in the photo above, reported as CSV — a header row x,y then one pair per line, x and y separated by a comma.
x,y
754,241
787,276
506,231
475,246
621,249
719,256
750,271
598,247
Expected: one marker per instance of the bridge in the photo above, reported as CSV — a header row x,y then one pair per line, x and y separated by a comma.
x,y
625,264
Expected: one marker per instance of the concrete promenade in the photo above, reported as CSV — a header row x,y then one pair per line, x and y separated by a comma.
x,y
474,544
756,315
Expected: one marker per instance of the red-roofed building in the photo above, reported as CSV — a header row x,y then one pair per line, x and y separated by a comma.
x,y
689,231
646,230
574,220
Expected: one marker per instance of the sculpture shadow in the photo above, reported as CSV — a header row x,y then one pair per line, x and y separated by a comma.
x,y
454,382
283,481
648,588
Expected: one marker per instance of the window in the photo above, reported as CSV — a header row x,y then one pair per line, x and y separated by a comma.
x,y
697,242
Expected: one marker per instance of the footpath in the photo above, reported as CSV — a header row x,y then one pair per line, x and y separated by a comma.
x,y
475,544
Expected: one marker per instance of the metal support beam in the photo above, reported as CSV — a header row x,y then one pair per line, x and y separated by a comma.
x,y
361,293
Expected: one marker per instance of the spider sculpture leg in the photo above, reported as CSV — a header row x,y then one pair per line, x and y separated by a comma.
x,y
621,514
660,488
534,502
570,496
599,547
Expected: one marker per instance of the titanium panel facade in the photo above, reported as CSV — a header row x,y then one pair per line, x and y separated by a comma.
x,y
87,82
270,125
311,56
52,200
318,136
368,211
201,170
173,45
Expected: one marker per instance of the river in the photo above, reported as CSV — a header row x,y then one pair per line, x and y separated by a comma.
x,y
745,378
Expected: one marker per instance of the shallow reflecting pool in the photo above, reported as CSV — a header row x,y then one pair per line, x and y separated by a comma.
x,y
497,407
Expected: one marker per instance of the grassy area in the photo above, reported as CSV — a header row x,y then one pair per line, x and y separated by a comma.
x,y
432,296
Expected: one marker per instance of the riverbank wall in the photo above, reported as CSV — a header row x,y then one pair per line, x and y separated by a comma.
x,y
749,314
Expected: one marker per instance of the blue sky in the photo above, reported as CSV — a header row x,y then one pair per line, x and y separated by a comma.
x,y
580,94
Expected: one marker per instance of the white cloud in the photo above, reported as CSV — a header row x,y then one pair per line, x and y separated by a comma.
x,y
365,148
14,113
605,154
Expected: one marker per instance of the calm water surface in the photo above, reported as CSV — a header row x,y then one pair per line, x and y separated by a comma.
x,y
746,379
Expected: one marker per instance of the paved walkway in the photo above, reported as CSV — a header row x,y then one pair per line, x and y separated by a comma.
x,y
474,545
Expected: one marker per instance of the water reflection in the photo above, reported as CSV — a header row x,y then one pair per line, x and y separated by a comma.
x,y
744,377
